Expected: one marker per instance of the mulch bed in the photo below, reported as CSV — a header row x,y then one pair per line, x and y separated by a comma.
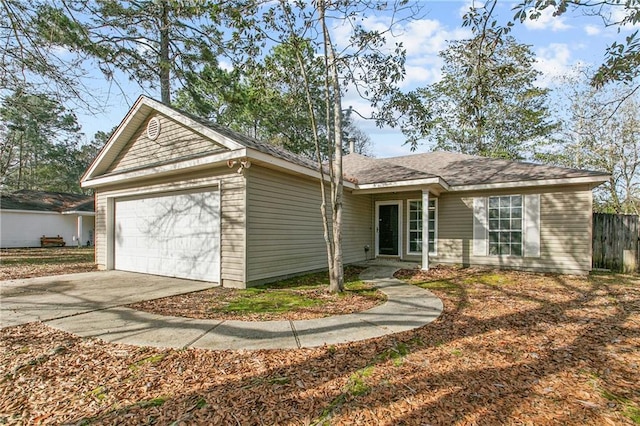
x,y
204,305
510,348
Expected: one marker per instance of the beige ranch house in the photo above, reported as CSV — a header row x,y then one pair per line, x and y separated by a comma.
x,y
182,197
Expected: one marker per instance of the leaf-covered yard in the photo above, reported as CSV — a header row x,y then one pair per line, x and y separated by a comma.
x,y
40,262
510,348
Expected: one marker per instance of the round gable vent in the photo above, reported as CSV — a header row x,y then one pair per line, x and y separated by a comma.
x,y
153,128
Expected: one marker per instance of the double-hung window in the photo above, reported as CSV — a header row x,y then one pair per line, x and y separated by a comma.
x,y
415,225
505,225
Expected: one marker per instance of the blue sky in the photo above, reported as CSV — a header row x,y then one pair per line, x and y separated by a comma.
x,y
560,44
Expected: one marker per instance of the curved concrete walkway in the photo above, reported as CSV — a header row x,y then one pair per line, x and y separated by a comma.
x,y
407,307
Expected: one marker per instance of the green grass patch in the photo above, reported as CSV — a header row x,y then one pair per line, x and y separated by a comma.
x,y
257,301
489,278
629,410
317,279
439,285
153,359
633,413
357,385
395,353
292,294
155,402
201,403
279,380
99,393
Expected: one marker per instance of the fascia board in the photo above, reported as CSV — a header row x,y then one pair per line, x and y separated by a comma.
x,y
165,169
79,213
591,180
113,139
407,185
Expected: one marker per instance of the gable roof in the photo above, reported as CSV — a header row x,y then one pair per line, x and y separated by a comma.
x,y
235,143
46,201
461,171
439,170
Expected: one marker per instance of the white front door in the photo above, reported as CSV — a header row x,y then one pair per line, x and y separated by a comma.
x,y
174,234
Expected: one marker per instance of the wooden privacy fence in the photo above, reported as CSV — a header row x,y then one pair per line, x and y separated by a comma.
x,y
615,242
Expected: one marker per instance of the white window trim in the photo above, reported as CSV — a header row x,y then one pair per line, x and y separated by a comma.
x,y
435,235
531,227
522,226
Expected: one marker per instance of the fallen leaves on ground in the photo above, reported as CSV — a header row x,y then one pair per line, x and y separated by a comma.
x,y
210,304
510,348
42,262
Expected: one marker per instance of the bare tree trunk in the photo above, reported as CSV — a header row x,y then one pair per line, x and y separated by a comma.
x,y
165,64
316,139
21,163
336,271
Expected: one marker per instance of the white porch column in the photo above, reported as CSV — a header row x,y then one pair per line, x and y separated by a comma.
x,y
79,231
425,229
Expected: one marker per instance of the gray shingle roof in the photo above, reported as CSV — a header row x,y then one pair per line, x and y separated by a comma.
x,y
46,201
456,169
362,170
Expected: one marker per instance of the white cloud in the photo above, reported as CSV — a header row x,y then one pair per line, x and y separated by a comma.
x,y
592,30
423,40
466,7
554,61
618,14
429,36
546,21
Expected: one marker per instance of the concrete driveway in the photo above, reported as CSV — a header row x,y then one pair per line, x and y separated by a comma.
x,y
93,305
48,298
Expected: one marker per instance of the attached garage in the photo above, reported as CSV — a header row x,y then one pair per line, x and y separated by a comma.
x,y
179,196
169,234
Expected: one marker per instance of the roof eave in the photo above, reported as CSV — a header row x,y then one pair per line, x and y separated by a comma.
x,y
280,163
213,160
436,183
165,169
592,181
79,213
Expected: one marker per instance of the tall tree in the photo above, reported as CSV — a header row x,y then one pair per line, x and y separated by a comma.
x,y
156,43
363,62
622,57
487,102
603,133
267,101
38,145
29,60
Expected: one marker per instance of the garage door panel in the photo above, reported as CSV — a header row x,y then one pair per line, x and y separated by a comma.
x,y
174,235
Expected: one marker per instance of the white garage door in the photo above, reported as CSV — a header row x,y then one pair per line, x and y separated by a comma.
x,y
175,235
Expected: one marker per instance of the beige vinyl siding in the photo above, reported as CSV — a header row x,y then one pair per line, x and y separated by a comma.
x,y
356,227
565,231
284,225
174,142
232,186
100,236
